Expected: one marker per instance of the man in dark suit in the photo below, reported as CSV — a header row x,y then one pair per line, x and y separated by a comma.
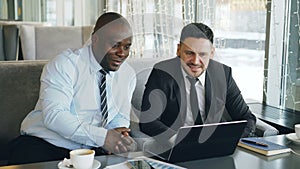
x,y
192,89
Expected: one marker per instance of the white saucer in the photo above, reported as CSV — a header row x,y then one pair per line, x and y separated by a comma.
x,y
96,165
292,137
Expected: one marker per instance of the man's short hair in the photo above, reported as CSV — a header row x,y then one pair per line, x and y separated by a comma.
x,y
109,17
197,30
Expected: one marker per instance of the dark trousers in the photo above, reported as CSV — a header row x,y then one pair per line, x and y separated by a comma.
x,y
29,149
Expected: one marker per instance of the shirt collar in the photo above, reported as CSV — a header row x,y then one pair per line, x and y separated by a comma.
x,y
95,66
201,78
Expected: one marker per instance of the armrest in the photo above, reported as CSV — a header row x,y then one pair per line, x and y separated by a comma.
x,y
263,129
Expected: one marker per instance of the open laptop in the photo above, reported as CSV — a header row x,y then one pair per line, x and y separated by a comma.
x,y
201,141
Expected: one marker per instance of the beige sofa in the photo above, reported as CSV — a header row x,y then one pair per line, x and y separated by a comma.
x,y
45,42
39,41
10,39
19,89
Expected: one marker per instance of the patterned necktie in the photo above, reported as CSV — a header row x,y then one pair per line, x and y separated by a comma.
x,y
103,98
194,101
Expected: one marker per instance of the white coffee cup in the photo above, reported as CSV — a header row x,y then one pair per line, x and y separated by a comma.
x,y
297,130
82,158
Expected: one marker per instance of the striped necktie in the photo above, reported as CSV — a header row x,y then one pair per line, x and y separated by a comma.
x,y
103,97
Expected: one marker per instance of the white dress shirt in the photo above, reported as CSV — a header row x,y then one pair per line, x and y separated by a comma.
x,y
189,121
68,113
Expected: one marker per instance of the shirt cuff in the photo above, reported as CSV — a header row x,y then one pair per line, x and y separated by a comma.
x,y
99,135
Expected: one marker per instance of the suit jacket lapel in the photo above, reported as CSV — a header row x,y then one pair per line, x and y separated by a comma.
x,y
215,92
207,94
181,93
176,112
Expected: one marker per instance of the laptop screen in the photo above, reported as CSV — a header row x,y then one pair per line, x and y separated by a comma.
x,y
203,141
206,141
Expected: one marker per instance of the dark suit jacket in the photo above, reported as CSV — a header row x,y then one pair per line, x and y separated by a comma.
x,y
164,100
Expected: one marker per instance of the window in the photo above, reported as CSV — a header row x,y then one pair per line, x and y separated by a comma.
x,y
259,39
156,25
240,30
239,27
10,10
291,84
62,12
282,64
3,10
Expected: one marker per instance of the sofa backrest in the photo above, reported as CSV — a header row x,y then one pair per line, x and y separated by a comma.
x,y
45,42
19,89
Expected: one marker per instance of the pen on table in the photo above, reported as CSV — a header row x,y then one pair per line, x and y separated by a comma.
x,y
255,143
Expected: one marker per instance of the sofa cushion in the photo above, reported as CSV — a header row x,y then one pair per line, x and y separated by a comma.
x,y
27,37
9,42
50,41
86,32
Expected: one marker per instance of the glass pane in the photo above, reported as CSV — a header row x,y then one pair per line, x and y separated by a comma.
x,y
239,27
291,87
68,12
156,24
51,11
92,11
3,10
